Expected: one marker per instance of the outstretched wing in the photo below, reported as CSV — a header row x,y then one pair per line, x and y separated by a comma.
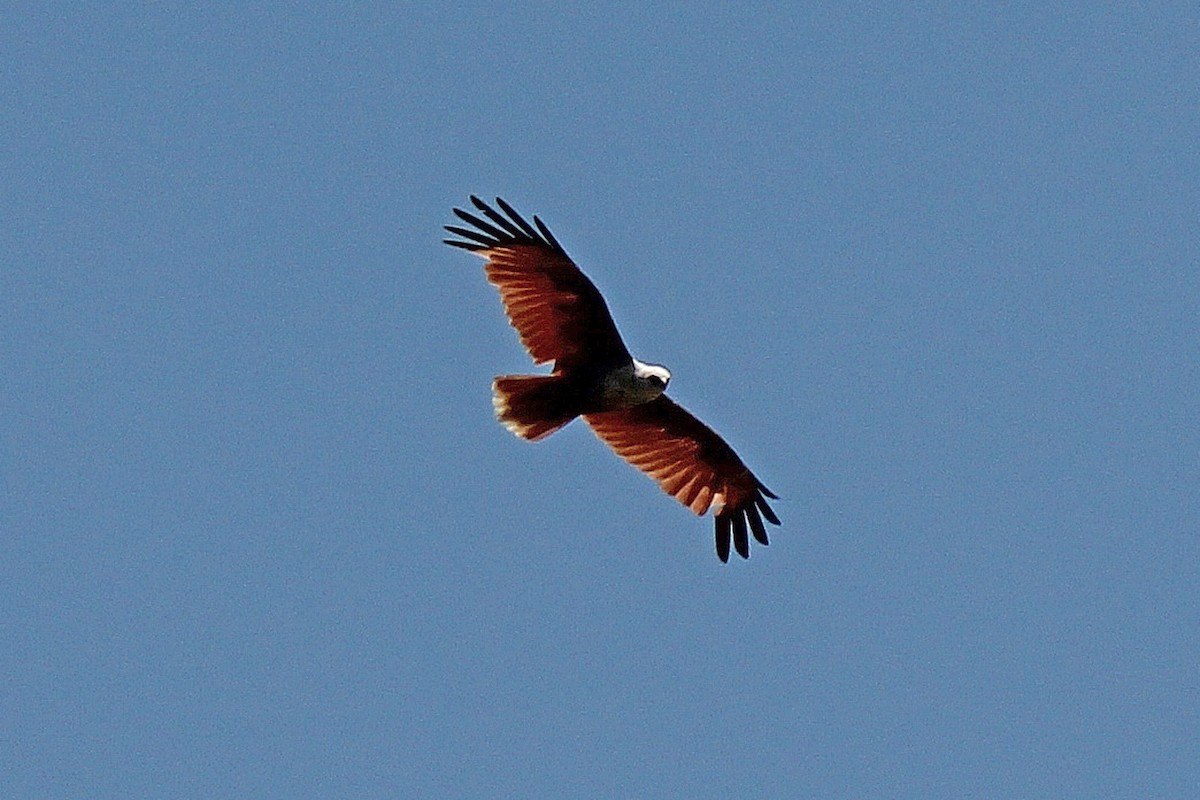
x,y
692,464
559,314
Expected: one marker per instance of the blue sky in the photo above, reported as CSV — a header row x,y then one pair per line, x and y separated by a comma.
x,y
932,270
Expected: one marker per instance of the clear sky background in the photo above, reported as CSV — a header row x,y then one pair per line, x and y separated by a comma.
x,y
934,271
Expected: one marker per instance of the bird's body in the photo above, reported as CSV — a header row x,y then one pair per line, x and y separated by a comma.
x,y
560,316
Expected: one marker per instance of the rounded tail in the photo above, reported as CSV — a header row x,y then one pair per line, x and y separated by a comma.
x,y
533,406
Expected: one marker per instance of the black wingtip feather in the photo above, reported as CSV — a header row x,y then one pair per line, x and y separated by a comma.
x,y
766,510
515,232
547,234
470,246
741,542
517,218
483,239
756,525
723,525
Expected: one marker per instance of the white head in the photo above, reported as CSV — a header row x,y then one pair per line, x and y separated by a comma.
x,y
633,384
652,378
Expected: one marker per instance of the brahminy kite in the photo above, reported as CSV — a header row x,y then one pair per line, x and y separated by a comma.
x,y
560,316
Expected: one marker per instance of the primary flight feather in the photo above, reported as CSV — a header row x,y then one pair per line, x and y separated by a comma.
x,y
560,316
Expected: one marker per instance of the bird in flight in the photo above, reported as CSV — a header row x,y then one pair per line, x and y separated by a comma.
x,y
560,316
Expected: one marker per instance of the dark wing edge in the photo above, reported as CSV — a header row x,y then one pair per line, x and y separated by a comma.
x,y
499,230
732,521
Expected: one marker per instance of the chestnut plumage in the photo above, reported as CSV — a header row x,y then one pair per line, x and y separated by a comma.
x,y
560,316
